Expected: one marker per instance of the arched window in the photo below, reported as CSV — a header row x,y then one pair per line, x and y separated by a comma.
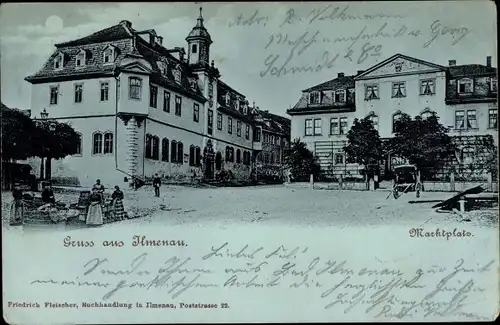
x,y
108,55
191,155
156,148
108,142
149,148
164,149
80,59
78,150
198,156
238,156
59,61
468,155
180,153
374,119
97,143
272,158
227,154
396,117
173,151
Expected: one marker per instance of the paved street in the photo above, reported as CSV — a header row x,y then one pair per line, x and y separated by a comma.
x,y
292,205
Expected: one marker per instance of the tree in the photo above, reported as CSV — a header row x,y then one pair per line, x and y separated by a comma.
x,y
301,161
17,132
54,140
425,143
364,146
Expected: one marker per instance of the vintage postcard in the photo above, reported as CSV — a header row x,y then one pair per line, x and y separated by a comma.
x,y
249,162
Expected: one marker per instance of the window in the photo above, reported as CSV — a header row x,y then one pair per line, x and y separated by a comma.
x,y
108,142
465,85
173,151
164,149
459,120
374,120
152,147
493,118
196,112
334,125
108,56
79,144
371,92
153,96
229,154
266,137
180,153
468,155
166,101
339,159
314,97
58,62
309,127
80,59
177,75
340,96
135,87
54,95
210,121
198,156
494,83
471,119
343,125
194,49
229,125
97,143
427,87
398,89
247,131
178,105
257,134
238,128
104,91
271,160
396,117
78,93
191,155
219,121
317,126
238,156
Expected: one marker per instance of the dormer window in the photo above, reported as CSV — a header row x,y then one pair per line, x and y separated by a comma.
x,y
178,74
314,97
58,61
80,59
465,85
227,98
192,83
340,96
108,55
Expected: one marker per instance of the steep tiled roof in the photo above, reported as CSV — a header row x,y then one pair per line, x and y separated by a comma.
x,y
109,34
471,70
337,83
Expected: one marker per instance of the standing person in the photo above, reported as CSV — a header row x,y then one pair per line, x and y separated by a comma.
x,y
17,208
48,194
118,209
95,215
157,184
99,187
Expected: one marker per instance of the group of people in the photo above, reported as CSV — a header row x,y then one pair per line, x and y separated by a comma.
x,y
18,205
95,214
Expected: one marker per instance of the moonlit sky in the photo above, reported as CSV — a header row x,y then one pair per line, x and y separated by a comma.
x,y
29,31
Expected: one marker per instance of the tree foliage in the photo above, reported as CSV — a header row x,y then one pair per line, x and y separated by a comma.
x,y
424,142
17,132
54,140
301,161
364,146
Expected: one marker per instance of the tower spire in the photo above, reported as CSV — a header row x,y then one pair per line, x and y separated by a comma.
x,y
200,19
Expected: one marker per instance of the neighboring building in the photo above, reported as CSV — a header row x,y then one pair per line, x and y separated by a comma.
x,y
271,140
142,109
463,97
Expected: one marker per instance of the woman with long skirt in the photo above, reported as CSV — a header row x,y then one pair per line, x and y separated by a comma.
x,y
95,215
17,208
118,209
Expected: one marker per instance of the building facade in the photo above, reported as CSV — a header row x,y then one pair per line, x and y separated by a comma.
x,y
463,97
141,108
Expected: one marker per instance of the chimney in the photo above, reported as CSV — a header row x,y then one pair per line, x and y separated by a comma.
x,y
341,74
488,61
159,40
452,63
126,23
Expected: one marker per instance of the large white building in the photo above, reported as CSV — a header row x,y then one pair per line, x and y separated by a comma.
x,y
464,97
141,108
